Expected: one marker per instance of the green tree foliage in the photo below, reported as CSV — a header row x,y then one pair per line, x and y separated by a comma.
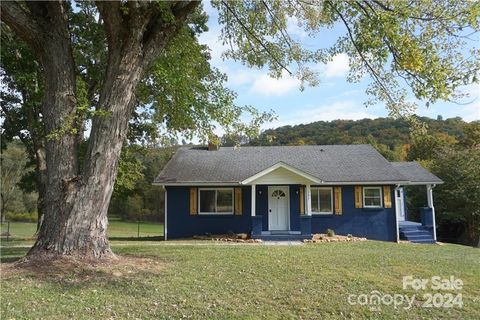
x,y
141,200
130,170
456,160
418,43
13,166
458,199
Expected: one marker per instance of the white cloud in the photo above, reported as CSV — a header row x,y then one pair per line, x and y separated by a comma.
x,y
265,85
471,112
345,110
295,29
338,67
241,76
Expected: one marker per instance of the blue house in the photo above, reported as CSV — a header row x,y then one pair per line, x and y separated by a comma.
x,y
291,192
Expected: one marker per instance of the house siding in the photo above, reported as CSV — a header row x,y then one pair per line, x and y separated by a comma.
x,y
183,225
376,224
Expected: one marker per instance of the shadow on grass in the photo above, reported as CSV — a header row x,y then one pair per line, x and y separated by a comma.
x,y
70,272
12,254
157,238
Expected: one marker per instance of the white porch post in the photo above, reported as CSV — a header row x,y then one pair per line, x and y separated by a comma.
x,y
397,209
430,205
308,202
253,199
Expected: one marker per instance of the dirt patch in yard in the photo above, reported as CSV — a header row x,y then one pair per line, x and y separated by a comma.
x,y
75,269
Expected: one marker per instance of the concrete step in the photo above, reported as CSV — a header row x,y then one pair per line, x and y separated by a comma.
x,y
423,241
414,238
415,233
282,237
413,228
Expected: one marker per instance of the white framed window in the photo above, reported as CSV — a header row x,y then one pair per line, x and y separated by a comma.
x,y
372,197
322,200
215,200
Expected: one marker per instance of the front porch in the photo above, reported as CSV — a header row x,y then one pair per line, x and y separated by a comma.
x,y
259,232
416,232
299,222
280,203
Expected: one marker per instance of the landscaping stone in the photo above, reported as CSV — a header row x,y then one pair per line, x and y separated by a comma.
x,y
321,237
231,237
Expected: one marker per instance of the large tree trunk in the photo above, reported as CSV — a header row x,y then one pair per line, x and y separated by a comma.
x,y
84,226
76,204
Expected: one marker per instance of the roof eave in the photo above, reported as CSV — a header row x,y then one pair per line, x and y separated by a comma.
x,y
196,183
421,183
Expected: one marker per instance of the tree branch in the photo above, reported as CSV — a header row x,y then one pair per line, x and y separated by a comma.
x,y
157,32
22,22
249,32
182,9
375,75
112,18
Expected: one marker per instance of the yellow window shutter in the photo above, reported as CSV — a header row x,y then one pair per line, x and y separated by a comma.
x,y
193,201
238,201
338,200
387,197
302,201
358,197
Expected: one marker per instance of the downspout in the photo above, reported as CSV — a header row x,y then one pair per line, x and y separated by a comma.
x,y
165,215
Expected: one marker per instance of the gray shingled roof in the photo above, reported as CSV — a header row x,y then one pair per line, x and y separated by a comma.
x,y
329,163
415,173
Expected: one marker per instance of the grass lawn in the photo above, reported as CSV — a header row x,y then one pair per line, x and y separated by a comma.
x,y
23,232
205,280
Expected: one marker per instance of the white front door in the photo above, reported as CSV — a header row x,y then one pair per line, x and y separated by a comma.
x,y
278,208
399,204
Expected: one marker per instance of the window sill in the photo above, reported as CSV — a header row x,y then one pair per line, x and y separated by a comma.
x,y
373,208
215,214
322,214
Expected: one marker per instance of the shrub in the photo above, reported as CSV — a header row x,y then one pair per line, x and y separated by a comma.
x,y
21,217
330,233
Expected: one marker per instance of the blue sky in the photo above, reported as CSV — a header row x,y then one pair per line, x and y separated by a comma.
x,y
334,98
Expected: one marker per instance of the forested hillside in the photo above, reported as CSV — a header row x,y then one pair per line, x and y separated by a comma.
x,y
390,136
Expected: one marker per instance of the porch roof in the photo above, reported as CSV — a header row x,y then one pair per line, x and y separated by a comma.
x,y
415,173
330,164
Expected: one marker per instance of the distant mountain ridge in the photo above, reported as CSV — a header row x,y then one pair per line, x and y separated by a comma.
x,y
388,131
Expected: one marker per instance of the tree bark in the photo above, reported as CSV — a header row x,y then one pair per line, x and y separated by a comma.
x,y
41,182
